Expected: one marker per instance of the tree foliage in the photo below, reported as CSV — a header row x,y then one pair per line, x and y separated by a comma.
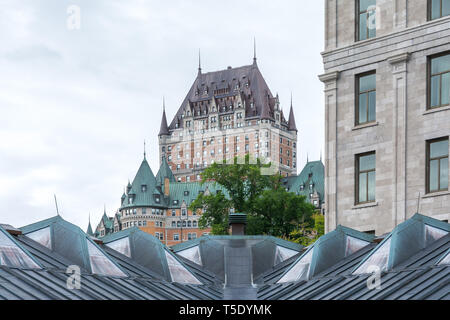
x,y
307,235
270,209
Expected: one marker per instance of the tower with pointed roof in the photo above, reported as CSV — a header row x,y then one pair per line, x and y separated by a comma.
x,y
225,114
158,205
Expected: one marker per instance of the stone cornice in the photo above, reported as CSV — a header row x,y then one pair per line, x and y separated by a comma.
x,y
327,77
399,58
395,34
380,49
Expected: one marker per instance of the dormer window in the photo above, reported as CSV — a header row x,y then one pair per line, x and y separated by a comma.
x,y
130,200
157,198
144,188
311,186
175,202
186,193
302,187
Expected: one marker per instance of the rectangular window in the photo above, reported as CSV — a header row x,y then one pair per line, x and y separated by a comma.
x,y
438,9
437,165
439,81
176,237
366,98
365,178
366,19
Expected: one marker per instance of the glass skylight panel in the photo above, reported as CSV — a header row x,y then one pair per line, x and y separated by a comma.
x,y
433,234
446,259
122,246
353,244
12,255
300,270
41,236
100,264
179,273
379,259
284,253
192,254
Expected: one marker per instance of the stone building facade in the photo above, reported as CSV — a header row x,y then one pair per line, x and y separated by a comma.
x,y
158,205
387,81
226,114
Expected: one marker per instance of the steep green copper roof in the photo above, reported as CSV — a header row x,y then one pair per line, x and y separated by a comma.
x,y
317,169
177,191
107,222
164,172
89,230
143,198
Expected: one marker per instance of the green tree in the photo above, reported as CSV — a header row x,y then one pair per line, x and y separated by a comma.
x,y
307,235
215,210
243,181
269,207
281,212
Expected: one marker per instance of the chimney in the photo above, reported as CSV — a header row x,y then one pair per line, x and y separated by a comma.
x,y
237,222
166,187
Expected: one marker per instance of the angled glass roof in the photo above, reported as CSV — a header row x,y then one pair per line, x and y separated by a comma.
x,y
42,236
377,259
13,255
72,243
353,245
300,271
325,252
100,263
445,259
178,272
149,252
433,234
282,254
407,239
192,254
121,245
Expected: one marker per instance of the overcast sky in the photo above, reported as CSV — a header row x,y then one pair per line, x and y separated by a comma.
x,y
76,105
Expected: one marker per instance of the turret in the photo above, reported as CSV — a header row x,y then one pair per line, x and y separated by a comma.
x,y
164,129
291,122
